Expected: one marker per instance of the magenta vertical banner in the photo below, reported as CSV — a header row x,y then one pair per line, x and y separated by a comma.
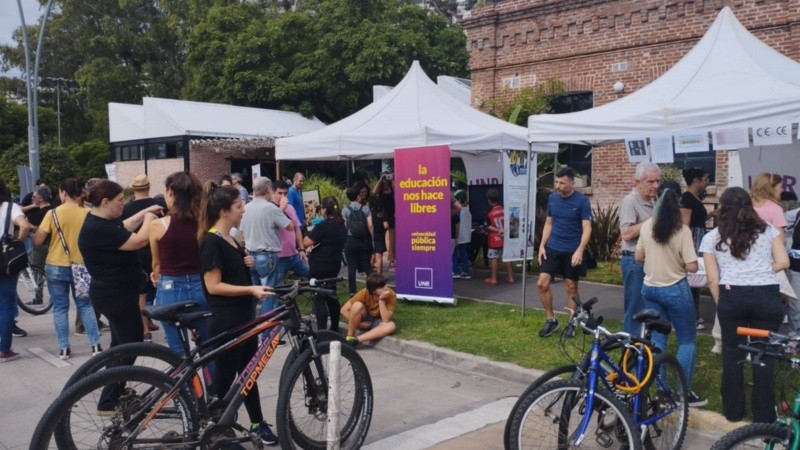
x,y
422,223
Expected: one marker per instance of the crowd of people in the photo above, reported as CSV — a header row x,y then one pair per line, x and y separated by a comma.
x,y
215,244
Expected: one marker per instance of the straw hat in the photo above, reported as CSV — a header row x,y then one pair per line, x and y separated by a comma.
x,y
140,182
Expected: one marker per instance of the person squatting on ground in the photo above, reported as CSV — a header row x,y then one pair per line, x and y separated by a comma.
x,y
176,254
293,253
370,311
141,200
667,250
741,258
71,215
261,222
565,236
463,238
694,215
495,230
635,208
358,246
8,283
325,243
229,289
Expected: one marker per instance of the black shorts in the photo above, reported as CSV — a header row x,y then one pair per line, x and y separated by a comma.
x,y
560,263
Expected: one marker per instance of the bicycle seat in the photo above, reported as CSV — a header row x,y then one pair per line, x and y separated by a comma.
x,y
168,313
646,315
187,319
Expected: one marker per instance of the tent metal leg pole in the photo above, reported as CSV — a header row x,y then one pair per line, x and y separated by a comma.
x,y
530,224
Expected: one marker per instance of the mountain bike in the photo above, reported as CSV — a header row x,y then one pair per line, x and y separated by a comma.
x,y
157,409
785,432
31,295
639,400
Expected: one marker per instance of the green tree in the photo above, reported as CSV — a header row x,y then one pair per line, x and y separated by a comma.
x,y
14,123
321,60
56,164
91,157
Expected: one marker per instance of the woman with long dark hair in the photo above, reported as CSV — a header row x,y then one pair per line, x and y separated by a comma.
x,y
8,283
666,248
741,257
176,254
325,243
231,296
70,216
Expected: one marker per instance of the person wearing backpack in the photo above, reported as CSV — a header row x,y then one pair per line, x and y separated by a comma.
x,y
358,246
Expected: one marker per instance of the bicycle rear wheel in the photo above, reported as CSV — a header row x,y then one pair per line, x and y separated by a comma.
x,y
142,416
302,412
776,436
31,293
550,417
143,354
665,396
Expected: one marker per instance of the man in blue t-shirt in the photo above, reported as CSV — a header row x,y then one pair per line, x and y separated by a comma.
x,y
296,200
564,238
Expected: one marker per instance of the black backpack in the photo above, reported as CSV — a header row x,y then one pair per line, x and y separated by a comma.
x,y
357,223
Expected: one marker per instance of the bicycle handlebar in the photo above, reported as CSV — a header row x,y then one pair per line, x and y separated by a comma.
x,y
755,332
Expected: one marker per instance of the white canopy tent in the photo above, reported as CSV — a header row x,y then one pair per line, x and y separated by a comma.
x,y
730,79
160,117
414,113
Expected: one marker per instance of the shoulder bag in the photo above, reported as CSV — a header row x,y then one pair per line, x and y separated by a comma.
x,y
14,256
81,280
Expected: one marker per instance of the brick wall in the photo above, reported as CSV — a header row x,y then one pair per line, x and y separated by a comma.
x,y
577,41
210,160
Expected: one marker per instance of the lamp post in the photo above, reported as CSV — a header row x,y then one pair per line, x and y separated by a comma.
x,y
32,87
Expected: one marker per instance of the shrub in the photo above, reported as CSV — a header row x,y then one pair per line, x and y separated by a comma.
x,y
670,172
605,232
55,164
326,186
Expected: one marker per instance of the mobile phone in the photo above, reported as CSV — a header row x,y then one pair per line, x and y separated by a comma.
x,y
390,176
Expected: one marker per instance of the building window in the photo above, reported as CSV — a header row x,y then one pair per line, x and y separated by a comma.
x,y
575,156
165,150
704,160
127,152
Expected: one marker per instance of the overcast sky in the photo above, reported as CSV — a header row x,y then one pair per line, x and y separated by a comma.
x,y
9,19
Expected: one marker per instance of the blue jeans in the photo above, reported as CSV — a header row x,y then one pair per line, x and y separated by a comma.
x,y
632,282
178,288
294,263
8,308
675,303
265,273
461,259
59,285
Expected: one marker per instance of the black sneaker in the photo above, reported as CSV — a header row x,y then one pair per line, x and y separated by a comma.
x,y
18,332
64,354
550,326
569,331
353,341
695,400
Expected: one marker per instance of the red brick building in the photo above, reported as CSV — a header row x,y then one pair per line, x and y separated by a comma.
x,y
590,45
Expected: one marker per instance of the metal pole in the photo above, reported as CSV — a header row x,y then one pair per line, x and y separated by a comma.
x,y
333,395
530,224
58,106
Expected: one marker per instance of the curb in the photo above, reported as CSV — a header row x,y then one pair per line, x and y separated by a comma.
x,y
708,424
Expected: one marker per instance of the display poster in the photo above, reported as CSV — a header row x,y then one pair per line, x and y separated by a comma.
x,y
691,141
256,171
731,139
661,149
111,172
310,202
772,133
780,159
422,224
519,205
483,168
636,148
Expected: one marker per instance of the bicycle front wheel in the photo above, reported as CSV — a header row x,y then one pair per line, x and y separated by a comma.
x,y
31,293
139,414
551,417
664,399
302,412
776,436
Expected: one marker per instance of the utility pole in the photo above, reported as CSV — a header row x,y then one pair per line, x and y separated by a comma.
x,y
32,86
58,81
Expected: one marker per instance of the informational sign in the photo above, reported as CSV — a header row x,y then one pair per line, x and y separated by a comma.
x,y
780,159
422,224
636,148
111,172
256,171
25,181
661,149
310,202
730,139
772,133
691,141
483,168
519,205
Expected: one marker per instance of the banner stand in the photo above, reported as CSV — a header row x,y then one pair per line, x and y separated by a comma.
x,y
534,164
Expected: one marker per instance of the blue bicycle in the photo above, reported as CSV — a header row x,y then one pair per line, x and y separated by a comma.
x,y
635,401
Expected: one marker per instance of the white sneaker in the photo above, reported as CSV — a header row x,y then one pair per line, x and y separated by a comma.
x,y
716,349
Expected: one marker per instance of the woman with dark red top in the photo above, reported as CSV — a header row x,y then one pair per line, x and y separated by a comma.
x,y
176,256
